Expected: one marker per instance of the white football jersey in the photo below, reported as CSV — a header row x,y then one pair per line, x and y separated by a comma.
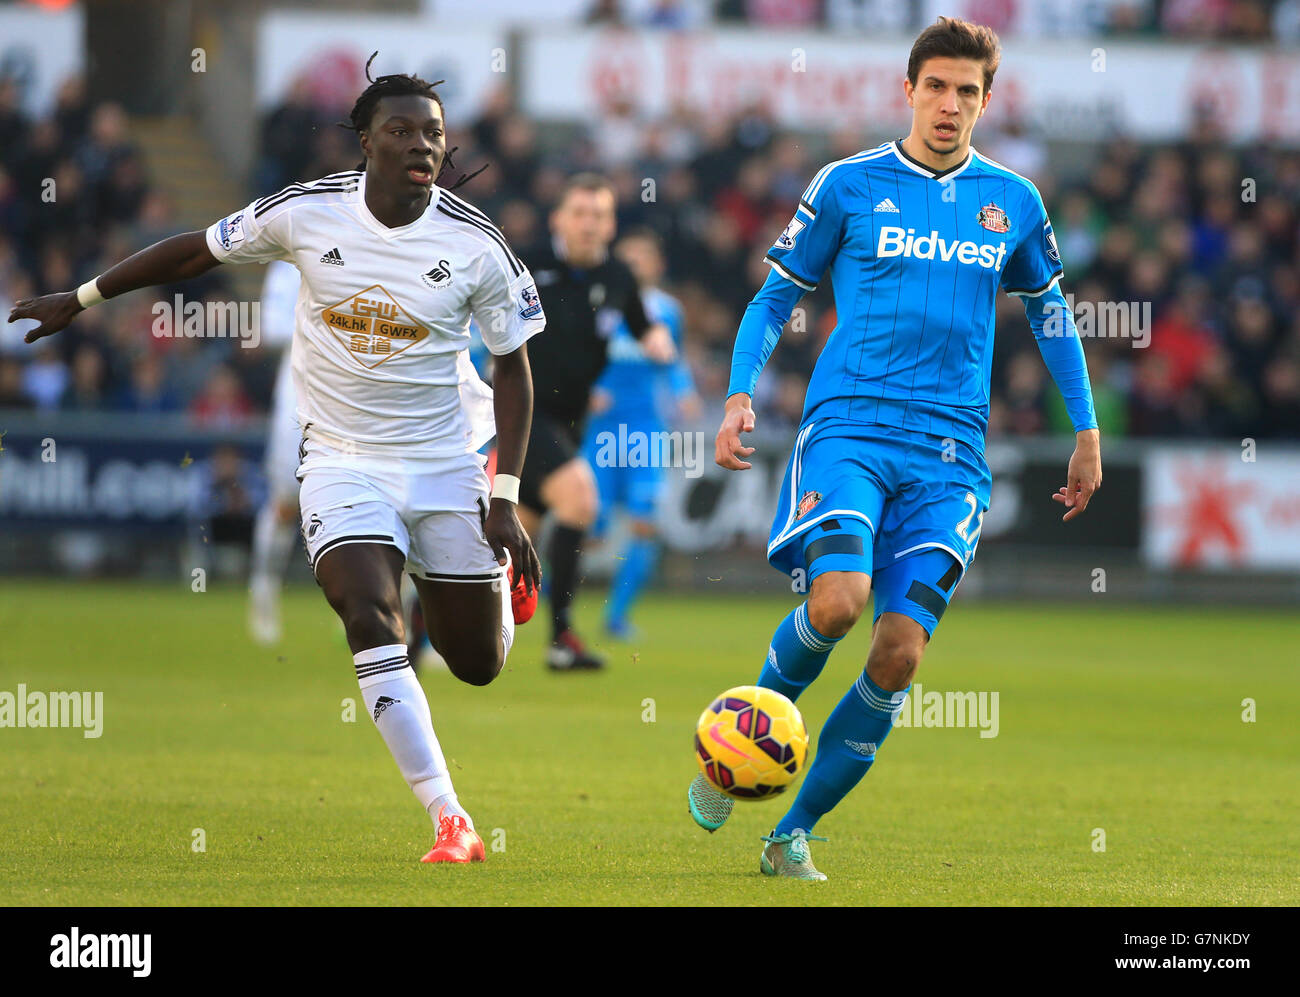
x,y
382,321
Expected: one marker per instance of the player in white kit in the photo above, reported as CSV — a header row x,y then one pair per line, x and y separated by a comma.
x,y
392,269
275,531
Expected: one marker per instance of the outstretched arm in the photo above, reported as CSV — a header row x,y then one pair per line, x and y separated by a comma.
x,y
178,258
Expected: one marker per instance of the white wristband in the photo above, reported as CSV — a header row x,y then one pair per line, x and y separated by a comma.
x,y
88,294
506,486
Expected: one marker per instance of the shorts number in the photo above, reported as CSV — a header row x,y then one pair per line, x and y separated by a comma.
x,y
964,525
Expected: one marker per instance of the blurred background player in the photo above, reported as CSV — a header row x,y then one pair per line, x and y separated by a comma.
x,y
227,490
276,530
635,393
586,293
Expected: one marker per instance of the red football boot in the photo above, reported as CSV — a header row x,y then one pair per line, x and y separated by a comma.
x,y
522,602
456,842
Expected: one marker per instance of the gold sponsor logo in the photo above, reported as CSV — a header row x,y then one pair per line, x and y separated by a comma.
x,y
374,327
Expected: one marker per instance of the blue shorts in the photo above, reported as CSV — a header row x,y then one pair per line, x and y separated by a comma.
x,y
882,501
635,489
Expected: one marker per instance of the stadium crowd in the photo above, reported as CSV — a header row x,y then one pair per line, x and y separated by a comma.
x,y
1204,233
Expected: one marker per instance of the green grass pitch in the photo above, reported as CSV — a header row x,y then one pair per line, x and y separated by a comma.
x,y
1124,719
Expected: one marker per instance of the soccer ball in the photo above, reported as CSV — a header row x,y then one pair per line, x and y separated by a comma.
x,y
751,742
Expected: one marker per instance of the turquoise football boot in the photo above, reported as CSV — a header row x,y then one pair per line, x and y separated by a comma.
x,y
709,808
787,855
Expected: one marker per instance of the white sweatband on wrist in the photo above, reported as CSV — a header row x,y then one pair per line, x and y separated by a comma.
x,y
506,486
88,294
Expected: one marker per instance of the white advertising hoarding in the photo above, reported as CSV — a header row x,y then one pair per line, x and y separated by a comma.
x,y
329,51
40,49
1206,507
1079,88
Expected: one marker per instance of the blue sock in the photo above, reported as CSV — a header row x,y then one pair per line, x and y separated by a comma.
x,y
854,731
634,572
796,656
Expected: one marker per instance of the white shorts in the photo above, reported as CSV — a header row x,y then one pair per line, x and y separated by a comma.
x,y
433,511
283,440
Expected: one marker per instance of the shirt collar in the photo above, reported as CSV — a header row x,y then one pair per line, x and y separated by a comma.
x,y
930,171
375,225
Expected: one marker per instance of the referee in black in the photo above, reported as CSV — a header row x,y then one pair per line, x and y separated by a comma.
x,y
586,293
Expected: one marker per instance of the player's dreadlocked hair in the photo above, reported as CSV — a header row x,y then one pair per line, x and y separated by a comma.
x,y
400,85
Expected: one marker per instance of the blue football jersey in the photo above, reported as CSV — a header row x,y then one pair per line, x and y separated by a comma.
x,y
638,385
916,258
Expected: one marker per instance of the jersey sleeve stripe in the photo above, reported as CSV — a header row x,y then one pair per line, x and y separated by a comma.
x,y
824,173
788,275
1019,292
293,186
287,195
263,200
475,212
806,208
491,230
352,175
465,205
998,166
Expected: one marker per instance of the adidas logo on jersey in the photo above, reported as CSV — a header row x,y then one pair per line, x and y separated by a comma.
x,y
383,703
888,205
334,257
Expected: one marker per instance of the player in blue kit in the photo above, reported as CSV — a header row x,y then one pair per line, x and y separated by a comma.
x,y
630,398
887,486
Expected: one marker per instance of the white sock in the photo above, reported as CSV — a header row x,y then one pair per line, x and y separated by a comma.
x,y
453,808
272,543
396,703
507,612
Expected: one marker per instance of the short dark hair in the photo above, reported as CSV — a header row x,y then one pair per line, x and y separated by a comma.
x,y
953,38
584,181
